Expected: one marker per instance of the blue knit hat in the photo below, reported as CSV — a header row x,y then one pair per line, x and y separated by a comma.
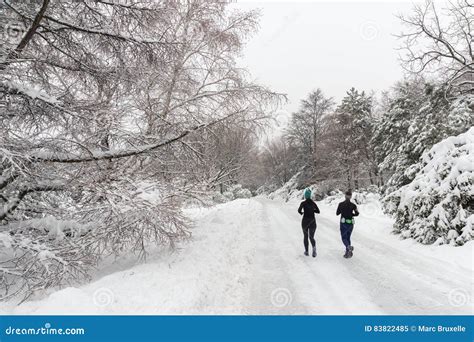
x,y
307,193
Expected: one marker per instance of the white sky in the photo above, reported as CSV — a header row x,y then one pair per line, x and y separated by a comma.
x,y
331,45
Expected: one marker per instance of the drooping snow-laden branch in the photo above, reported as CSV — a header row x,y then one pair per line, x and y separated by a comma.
x,y
116,36
122,153
50,252
108,155
14,201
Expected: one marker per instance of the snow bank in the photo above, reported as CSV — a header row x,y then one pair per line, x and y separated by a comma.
x,y
438,205
232,193
211,274
289,191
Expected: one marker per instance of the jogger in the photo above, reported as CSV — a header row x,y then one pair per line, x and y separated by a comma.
x,y
308,208
347,210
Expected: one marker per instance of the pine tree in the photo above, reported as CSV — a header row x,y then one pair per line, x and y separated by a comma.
x,y
350,133
437,205
418,118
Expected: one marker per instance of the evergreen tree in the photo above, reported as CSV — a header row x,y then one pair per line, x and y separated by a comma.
x,y
349,131
437,205
391,130
418,118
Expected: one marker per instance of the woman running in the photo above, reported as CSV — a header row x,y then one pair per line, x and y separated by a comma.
x,y
307,209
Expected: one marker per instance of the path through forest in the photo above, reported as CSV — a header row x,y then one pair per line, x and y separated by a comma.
x,y
246,257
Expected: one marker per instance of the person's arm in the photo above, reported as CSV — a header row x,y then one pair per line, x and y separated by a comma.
x,y
356,212
300,209
338,211
316,209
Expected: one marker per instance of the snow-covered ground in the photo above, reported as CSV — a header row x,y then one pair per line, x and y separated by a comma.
x,y
245,257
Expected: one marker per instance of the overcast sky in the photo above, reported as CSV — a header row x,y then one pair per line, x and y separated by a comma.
x,y
331,45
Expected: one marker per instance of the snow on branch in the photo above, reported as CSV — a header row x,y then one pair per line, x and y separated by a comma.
x,y
15,200
115,154
107,155
105,33
436,207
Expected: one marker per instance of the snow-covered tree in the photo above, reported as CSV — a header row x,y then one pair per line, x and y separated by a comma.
x,y
346,137
356,110
279,162
416,120
391,128
224,156
102,103
437,206
305,129
420,114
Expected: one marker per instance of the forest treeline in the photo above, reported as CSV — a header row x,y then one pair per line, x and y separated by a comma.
x,y
368,140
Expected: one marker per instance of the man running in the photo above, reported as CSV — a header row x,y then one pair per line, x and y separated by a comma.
x,y
347,210
307,209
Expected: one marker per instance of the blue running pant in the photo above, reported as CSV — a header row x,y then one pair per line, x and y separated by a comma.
x,y
346,231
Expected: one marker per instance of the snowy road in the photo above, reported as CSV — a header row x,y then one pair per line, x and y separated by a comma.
x,y
253,264
381,278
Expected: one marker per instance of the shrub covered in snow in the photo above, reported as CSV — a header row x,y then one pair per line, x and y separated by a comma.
x,y
288,191
366,196
324,190
240,192
437,206
234,192
61,246
217,197
237,191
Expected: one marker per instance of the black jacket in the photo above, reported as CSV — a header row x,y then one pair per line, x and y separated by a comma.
x,y
308,208
347,209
